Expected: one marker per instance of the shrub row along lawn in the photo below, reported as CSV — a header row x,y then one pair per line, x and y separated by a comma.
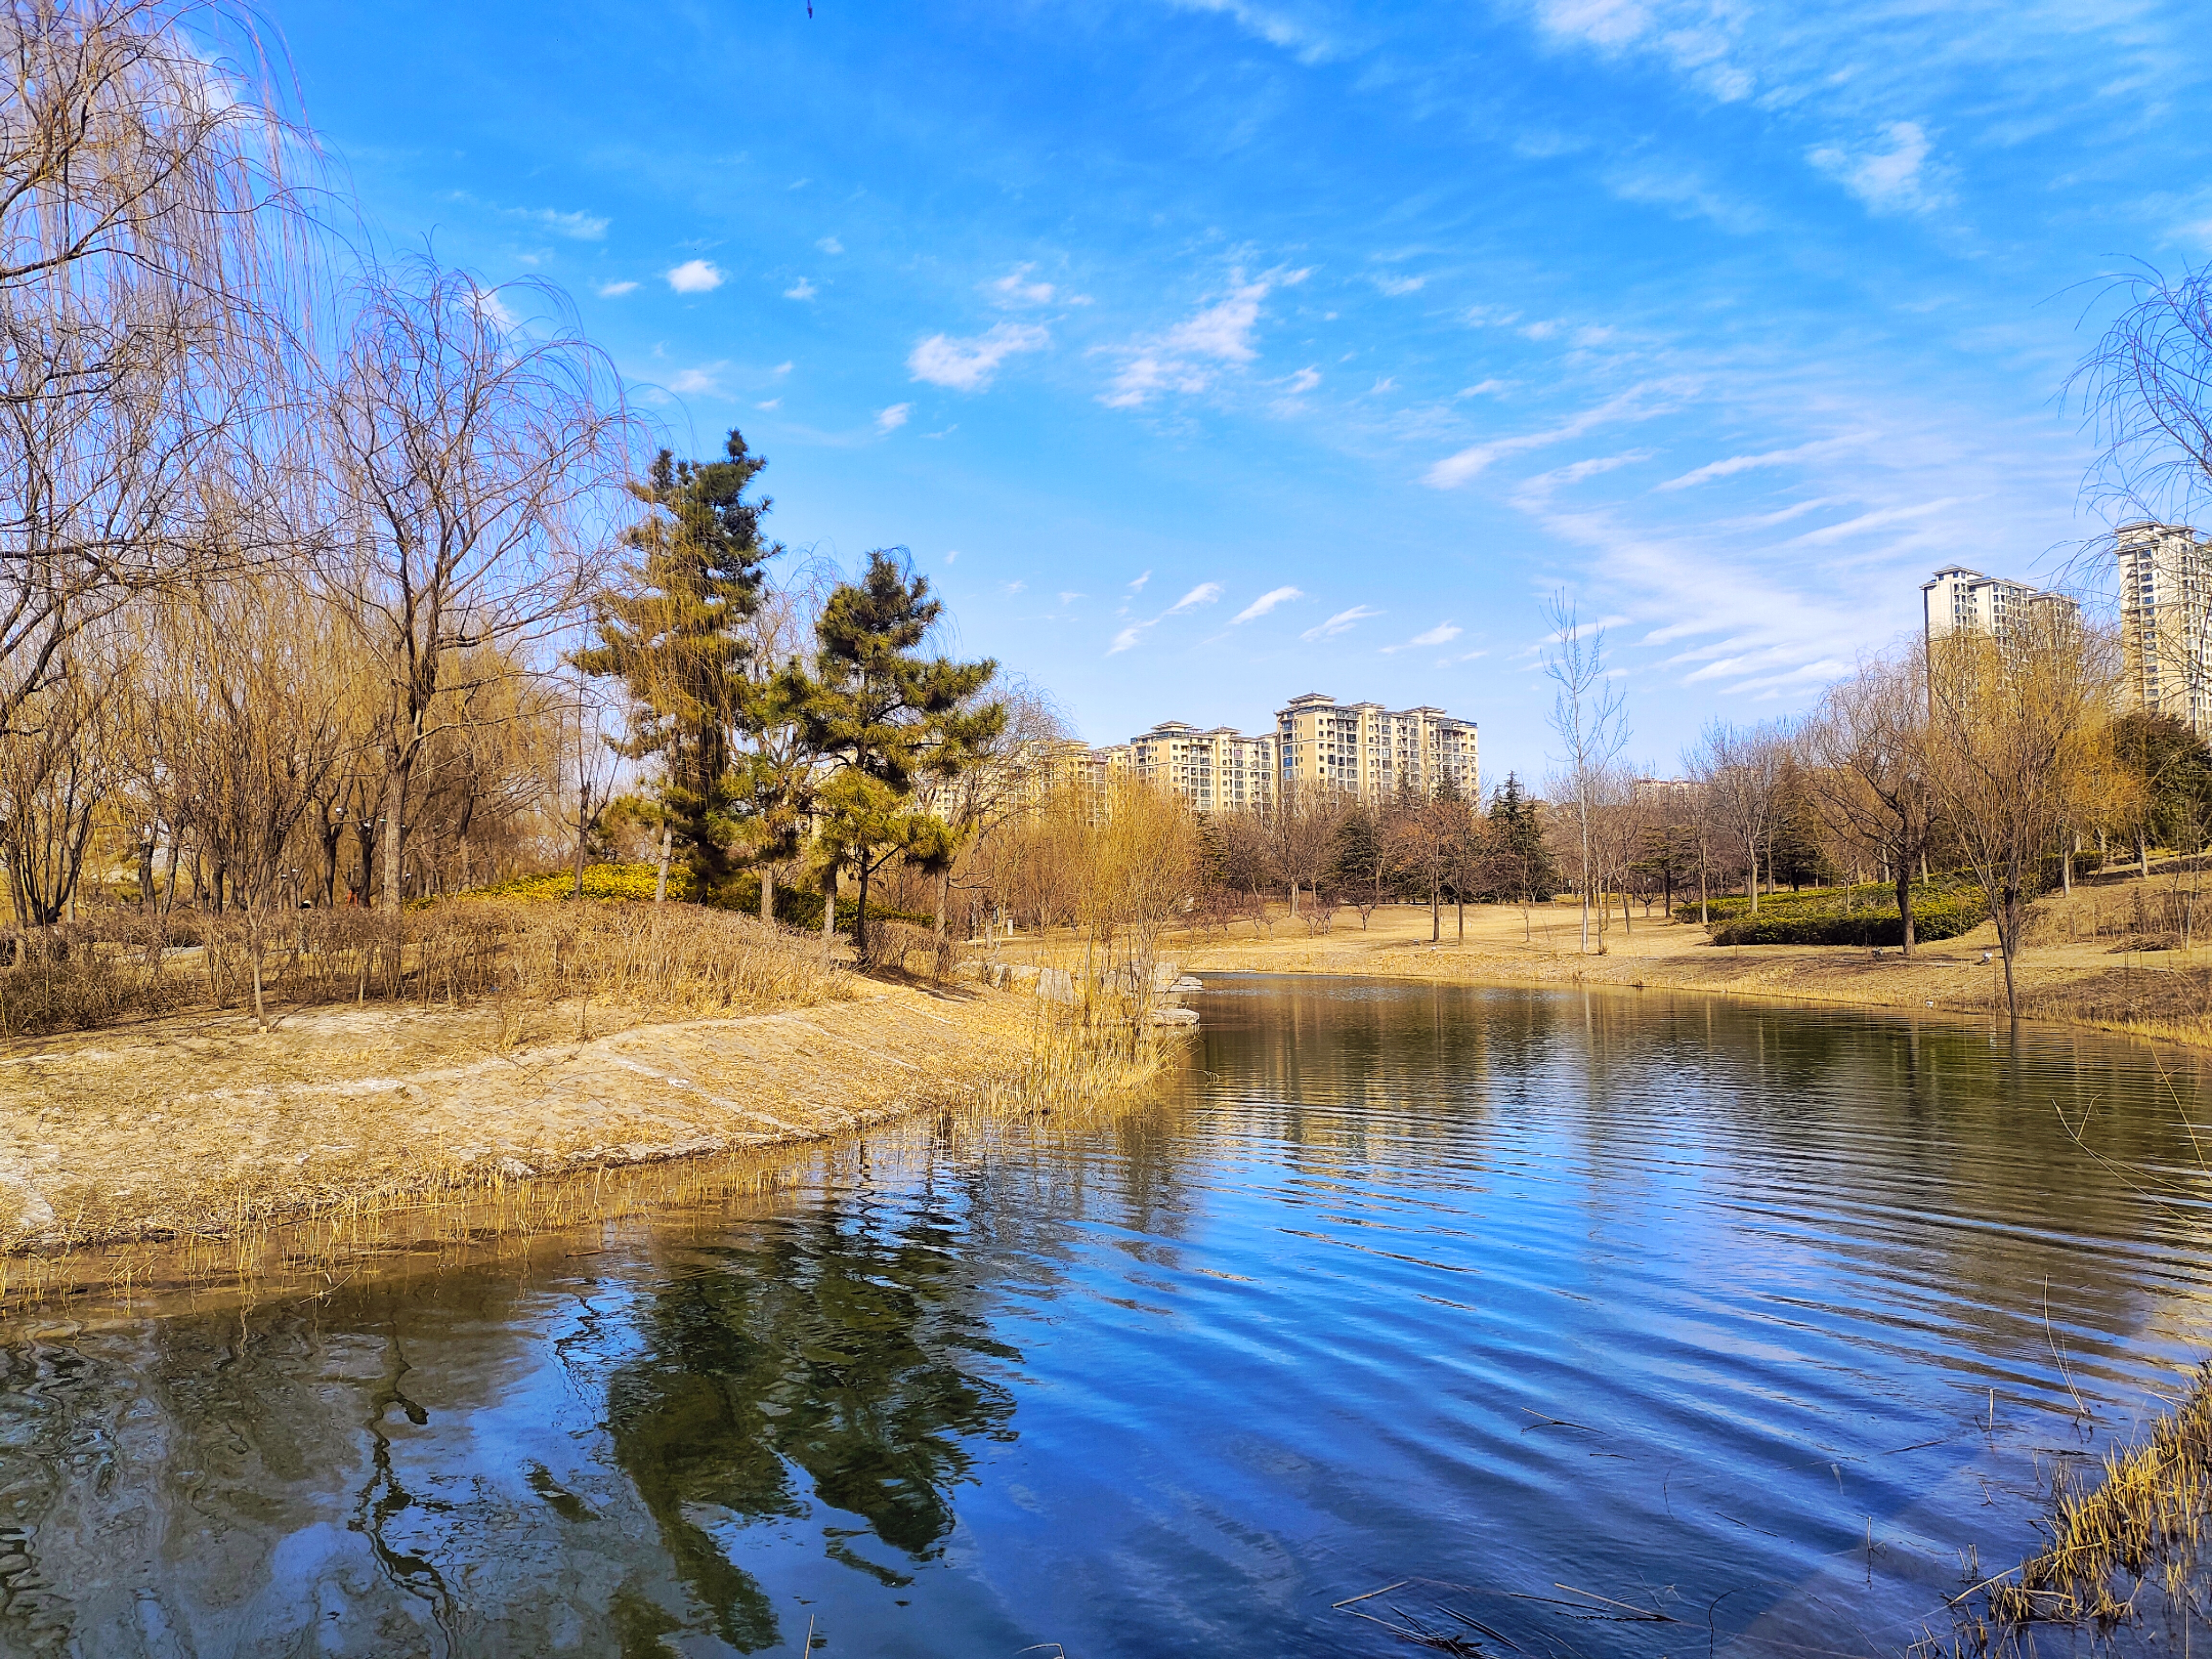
x,y
1864,915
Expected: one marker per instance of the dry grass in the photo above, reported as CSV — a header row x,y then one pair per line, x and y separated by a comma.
x,y
2139,1524
671,958
255,1164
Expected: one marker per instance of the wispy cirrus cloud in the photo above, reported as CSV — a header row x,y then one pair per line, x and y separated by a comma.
x,y
1441,634
972,365
1731,465
891,419
1205,594
1016,288
615,290
1188,358
1889,179
705,380
1267,602
1638,403
1342,623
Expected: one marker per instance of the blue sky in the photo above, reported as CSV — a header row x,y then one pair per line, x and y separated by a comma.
x,y
1207,352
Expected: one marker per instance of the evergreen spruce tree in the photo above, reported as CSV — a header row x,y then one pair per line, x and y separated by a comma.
x,y
889,718
1519,852
672,633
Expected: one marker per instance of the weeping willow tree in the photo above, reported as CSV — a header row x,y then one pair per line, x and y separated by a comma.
x,y
156,280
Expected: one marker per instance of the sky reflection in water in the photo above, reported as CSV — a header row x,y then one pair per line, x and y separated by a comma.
x,y
1694,1307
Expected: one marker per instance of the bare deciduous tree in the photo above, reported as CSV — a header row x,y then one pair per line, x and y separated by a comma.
x,y
153,266
2010,718
1739,769
469,456
1871,770
1590,717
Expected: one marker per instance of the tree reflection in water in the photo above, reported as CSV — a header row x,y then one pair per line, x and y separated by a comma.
x,y
831,1353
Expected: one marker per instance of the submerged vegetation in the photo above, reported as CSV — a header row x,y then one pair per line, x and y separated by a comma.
x,y
2139,1525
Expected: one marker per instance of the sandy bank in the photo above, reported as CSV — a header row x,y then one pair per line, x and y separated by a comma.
x,y
2069,974
200,1124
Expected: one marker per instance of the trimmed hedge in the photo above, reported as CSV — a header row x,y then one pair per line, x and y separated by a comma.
x,y
1941,914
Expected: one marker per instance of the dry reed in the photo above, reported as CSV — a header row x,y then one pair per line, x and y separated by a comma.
x,y
2141,1523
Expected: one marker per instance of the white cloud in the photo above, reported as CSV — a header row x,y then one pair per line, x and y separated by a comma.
x,y
1636,404
1396,287
491,307
1695,36
830,245
579,226
953,554
801,289
891,419
690,382
1736,464
773,403
1204,593
696,276
1012,588
1015,288
1887,180
1480,389
780,368
615,290
970,365
1879,519
1180,360
1070,598
1306,44
1304,381
1267,602
1342,623
1441,634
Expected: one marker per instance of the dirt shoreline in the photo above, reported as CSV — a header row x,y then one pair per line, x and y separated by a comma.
x,y
2072,976
200,1127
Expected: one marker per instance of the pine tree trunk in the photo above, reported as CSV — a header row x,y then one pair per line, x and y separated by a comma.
x,y
767,892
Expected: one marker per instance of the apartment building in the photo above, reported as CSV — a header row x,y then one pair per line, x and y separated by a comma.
x,y
2166,620
1957,600
1375,751
1220,770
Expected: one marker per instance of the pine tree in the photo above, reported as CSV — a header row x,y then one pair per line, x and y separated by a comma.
x,y
1526,872
673,634
890,720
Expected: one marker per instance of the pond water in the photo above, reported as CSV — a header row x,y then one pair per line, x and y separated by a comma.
x,y
1615,1324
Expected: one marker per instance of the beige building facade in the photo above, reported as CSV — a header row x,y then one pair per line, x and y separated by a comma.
x,y
1373,751
1957,600
2166,620
1220,770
